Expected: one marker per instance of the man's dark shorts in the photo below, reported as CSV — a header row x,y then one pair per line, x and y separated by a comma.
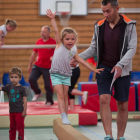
x,y
121,84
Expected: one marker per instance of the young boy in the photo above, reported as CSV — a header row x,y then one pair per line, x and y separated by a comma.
x,y
17,104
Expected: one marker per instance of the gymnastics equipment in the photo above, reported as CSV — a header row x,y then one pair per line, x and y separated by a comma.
x,y
76,7
66,132
38,113
93,97
64,18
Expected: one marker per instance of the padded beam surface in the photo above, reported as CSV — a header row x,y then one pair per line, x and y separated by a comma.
x,y
66,132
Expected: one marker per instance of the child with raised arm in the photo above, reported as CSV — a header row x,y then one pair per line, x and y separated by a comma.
x,y
60,68
17,104
9,26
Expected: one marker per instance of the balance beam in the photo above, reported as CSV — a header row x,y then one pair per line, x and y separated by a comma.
x,y
66,132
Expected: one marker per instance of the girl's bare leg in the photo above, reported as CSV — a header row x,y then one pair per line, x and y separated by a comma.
x,y
62,103
60,97
65,89
77,92
84,94
72,103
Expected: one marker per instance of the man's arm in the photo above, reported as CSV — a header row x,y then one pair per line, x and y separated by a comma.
x,y
24,113
1,32
88,53
1,42
92,50
132,45
32,59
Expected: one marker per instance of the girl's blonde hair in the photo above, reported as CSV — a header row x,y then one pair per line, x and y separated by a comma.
x,y
16,70
68,30
11,22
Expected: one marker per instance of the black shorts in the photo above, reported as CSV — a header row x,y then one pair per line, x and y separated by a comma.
x,y
121,84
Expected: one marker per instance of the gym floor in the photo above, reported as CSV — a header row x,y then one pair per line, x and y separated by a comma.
x,y
93,132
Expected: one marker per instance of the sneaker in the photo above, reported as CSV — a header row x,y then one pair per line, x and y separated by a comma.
x,y
36,96
121,138
85,97
108,138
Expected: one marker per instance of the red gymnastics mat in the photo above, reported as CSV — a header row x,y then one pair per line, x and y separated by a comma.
x,y
38,114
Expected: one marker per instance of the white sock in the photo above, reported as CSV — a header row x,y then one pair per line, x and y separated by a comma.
x,y
63,115
65,119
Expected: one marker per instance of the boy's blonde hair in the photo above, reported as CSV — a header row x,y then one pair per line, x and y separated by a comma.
x,y
16,70
68,30
11,22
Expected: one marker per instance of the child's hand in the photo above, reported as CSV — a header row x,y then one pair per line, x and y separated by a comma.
x,y
50,14
50,58
98,70
73,63
24,114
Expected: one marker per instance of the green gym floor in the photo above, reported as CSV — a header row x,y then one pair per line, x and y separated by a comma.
x,y
93,132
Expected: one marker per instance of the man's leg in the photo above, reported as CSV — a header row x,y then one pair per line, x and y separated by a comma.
x,y
48,85
35,74
122,86
122,117
105,113
104,80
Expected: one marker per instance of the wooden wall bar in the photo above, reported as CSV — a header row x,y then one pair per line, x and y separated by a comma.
x,y
26,13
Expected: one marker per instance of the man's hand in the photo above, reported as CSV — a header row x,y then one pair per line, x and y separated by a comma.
x,y
73,63
24,114
118,71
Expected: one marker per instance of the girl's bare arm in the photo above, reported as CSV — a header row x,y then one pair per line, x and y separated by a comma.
x,y
86,64
54,25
